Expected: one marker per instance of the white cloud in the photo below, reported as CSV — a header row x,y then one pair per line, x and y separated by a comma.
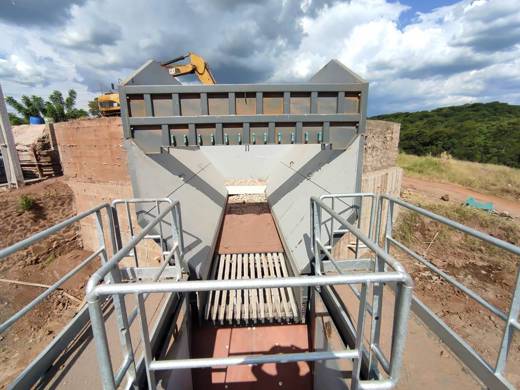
x,y
455,54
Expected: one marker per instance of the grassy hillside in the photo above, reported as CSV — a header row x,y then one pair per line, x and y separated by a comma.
x,y
481,132
486,178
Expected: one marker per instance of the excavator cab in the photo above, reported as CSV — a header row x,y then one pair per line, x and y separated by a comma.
x,y
196,65
109,104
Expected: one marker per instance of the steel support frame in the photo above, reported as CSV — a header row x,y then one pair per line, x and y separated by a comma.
x,y
357,119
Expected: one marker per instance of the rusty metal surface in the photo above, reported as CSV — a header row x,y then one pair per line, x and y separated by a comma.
x,y
248,228
228,341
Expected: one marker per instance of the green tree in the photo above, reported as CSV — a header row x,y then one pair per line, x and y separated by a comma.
x,y
481,132
26,107
60,109
15,120
93,108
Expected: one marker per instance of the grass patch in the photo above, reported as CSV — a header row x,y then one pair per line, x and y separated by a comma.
x,y
486,178
48,260
412,227
25,203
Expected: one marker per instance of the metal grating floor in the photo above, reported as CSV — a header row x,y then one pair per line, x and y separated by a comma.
x,y
254,305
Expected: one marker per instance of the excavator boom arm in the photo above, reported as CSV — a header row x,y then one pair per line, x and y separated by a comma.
x,y
196,65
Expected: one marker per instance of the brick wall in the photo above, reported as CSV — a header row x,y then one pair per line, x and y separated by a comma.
x,y
95,166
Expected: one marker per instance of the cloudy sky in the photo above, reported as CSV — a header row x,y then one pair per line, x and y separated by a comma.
x,y
415,54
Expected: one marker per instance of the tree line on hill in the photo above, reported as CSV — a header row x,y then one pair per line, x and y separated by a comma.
x,y
480,132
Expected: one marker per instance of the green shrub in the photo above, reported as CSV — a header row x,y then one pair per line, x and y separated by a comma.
x,y
25,203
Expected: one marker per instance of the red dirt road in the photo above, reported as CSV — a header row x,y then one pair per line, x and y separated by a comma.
x,y
459,193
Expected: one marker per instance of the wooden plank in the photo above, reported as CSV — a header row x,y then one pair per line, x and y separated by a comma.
x,y
274,291
290,291
283,297
216,302
253,298
222,311
268,296
245,261
260,290
231,304
238,307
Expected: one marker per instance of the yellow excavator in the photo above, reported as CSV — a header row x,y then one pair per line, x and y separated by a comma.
x,y
196,65
109,104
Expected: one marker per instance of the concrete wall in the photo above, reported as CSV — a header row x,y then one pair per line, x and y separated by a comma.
x,y
381,141
95,166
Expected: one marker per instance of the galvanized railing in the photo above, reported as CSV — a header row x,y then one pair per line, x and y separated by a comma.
x,y
174,225
97,292
109,237
102,252
351,207
376,264
491,374
171,260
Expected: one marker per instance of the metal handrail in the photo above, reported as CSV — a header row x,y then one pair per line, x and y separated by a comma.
x,y
112,276
96,315
101,252
175,223
50,231
493,376
96,292
403,295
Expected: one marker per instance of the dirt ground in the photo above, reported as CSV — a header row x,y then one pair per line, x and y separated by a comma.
x,y
43,263
459,193
489,271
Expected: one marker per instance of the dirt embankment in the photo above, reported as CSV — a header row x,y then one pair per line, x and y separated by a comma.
x,y
489,271
43,263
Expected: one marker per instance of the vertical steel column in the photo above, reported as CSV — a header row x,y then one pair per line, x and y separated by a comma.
x,y
204,103
148,104
176,106
341,102
314,102
232,103
119,304
12,166
514,311
166,139
125,112
101,342
286,102
145,336
403,300
192,135
259,103
356,370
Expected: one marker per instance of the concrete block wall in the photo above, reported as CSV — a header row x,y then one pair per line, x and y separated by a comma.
x,y
381,145
95,166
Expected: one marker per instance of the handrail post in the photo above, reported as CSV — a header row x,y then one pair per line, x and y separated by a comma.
x,y
114,276
101,342
507,337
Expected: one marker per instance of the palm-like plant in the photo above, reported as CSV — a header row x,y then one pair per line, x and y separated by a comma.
x,y
56,107
60,109
27,107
